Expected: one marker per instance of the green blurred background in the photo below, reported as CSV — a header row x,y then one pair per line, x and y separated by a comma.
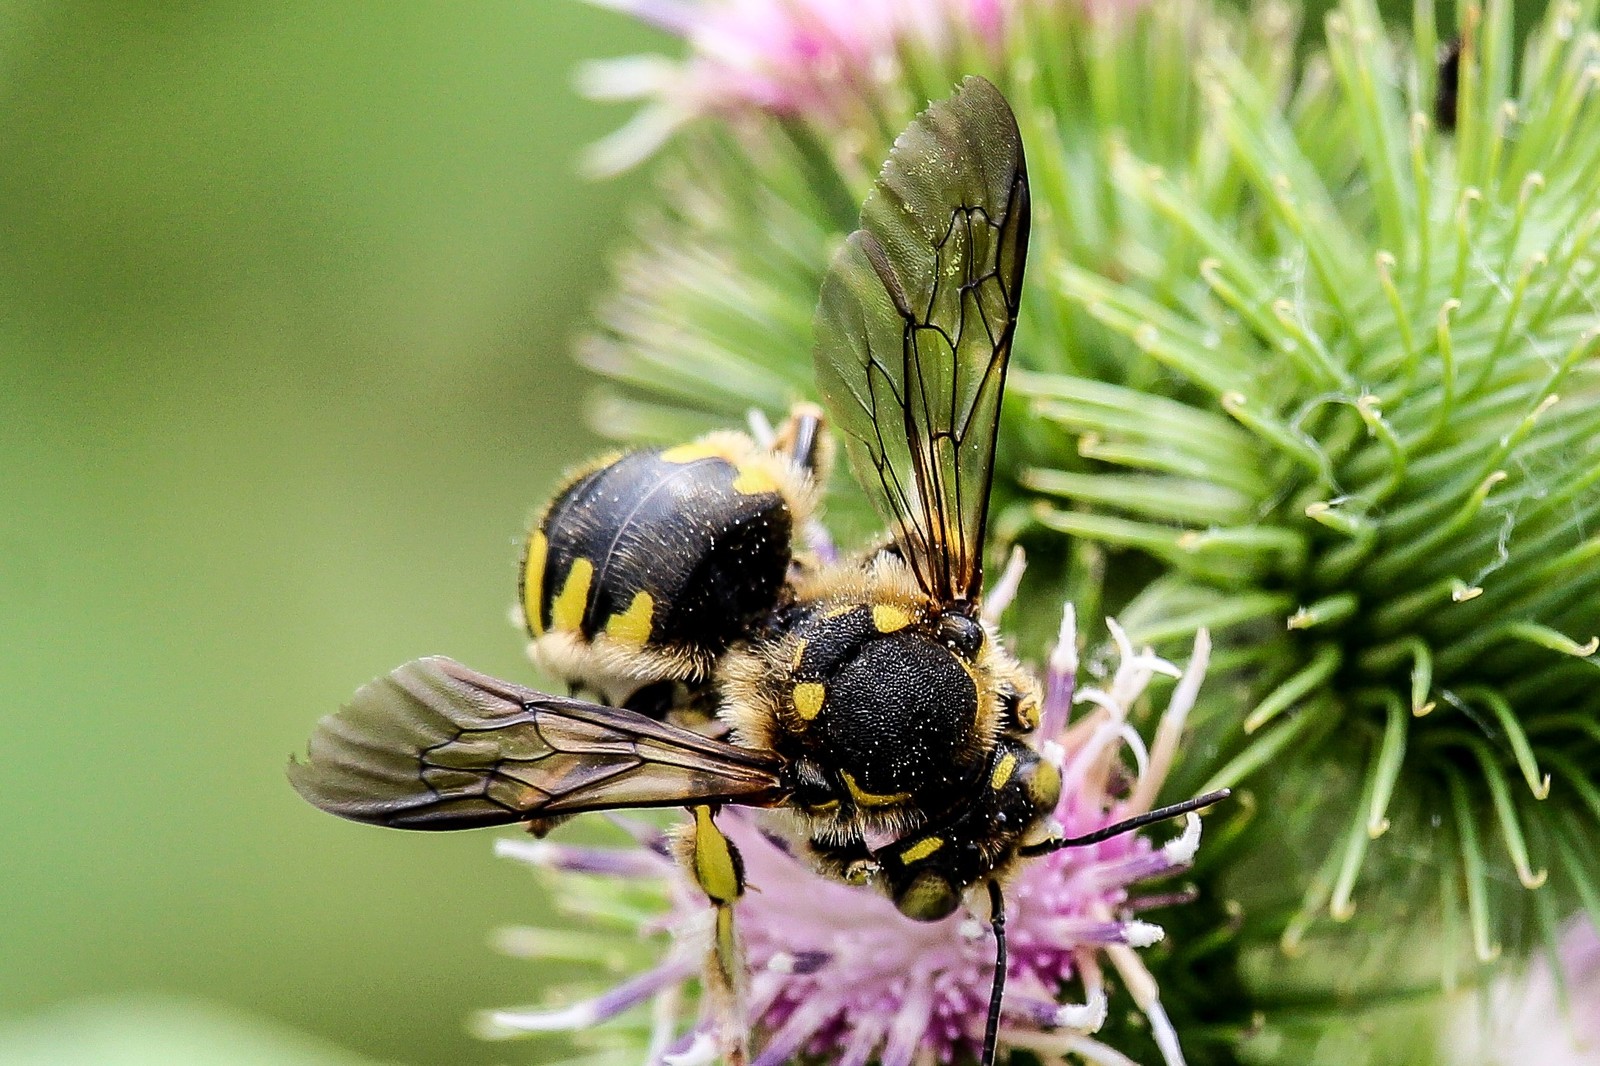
x,y
287,293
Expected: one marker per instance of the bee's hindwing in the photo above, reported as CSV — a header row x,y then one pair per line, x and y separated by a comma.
x,y
914,325
434,745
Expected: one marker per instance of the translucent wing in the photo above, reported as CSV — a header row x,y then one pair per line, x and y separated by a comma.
x,y
435,745
913,330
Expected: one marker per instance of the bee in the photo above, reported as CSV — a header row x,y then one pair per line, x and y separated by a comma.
x,y
868,698
646,567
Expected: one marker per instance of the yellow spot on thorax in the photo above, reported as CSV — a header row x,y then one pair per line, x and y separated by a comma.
x,y
533,582
691,452
864,798
632,627
921,850
887,618
799,654
754,480
808,697
1003,771
567,610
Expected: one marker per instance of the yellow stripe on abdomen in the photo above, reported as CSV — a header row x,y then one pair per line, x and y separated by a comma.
x,y
632,627
533,582
566,613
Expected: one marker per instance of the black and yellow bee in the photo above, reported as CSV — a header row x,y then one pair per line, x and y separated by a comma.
x,y
868,697
647,567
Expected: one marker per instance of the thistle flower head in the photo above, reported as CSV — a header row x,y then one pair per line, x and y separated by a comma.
x,y
837,971
1305,359
822,59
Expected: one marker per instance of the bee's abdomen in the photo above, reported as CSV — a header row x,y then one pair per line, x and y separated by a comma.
x,y
677,552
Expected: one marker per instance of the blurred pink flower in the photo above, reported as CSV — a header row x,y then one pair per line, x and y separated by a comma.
x,y
836,971
817,58
1525,1017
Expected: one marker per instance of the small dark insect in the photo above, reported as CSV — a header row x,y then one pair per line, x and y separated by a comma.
x,y
868,698
1448,75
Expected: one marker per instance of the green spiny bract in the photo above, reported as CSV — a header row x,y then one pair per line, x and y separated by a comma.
x,y
1297,364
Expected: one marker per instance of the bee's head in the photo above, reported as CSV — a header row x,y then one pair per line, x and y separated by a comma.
x,y
927,895
929,871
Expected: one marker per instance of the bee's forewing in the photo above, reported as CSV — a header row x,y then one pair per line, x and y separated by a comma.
x,y
914,326
435,745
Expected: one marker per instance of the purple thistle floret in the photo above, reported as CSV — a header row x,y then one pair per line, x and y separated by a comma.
x,y
1546,1012
816,58
836,971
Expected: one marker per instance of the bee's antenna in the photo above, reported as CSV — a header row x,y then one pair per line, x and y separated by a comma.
x,y
1160,814
997,922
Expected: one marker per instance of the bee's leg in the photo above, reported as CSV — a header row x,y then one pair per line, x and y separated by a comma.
x,y
804,439
997,922
851,861
716,866
801,438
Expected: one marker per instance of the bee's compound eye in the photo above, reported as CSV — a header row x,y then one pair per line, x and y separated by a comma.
x,y
928,897
961,634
